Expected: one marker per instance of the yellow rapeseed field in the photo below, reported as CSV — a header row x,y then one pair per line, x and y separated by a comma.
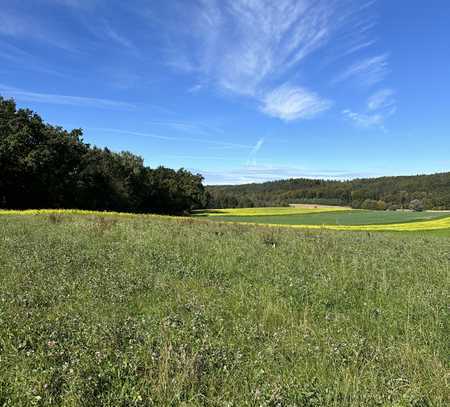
x,y
443,223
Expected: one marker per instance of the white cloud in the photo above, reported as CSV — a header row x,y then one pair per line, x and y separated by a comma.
x,y
364,120
380,106
257,146
381,100
355,31
367,72
249,47
173,138
81,101
267,39
196,88
252,156
119,39
290,103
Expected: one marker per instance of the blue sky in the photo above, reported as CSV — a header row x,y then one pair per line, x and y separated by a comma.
x,y
240,90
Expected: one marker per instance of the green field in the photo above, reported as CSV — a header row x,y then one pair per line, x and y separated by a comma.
x,y
354,217
146,311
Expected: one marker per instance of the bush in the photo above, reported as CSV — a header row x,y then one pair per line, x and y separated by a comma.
x,y
416,205
370,204
381,205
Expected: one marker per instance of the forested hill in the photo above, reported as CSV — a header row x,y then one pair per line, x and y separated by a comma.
x,y
432,192
43,166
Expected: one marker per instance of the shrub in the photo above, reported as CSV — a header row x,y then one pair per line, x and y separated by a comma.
x,y
416,205
370,204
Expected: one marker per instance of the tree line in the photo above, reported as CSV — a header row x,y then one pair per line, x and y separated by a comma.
x,y
45,166
400,192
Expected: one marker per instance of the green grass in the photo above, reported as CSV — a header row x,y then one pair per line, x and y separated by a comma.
x,y
121,312
438,232
359,217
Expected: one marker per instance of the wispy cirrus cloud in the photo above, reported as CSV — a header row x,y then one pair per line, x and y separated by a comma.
x,y
270,38
380,106
367,72
26,60
189,127
104,31
254,151
383,99
364,120
116,37
356,25
13,53
256,48
263,50
196,88
18,20
21,24
292,103
223,144
80,101
201,158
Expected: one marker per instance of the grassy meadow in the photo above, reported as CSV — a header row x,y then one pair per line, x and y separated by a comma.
x,y
109,310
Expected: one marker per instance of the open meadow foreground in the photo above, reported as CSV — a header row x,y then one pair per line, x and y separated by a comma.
x,y
224,203
118,311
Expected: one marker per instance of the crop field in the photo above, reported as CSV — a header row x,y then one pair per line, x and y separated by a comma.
x,y
341,219
244,212
118,310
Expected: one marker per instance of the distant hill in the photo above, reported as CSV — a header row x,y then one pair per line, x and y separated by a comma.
x,y
432,192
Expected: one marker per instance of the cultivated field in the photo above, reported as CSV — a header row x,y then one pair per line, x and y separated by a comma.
x,y
125,310
333,218
245,212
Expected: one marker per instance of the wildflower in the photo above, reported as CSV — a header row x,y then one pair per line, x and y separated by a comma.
x,y
51,344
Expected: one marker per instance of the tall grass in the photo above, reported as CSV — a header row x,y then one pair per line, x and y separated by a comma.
x,y
146,311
